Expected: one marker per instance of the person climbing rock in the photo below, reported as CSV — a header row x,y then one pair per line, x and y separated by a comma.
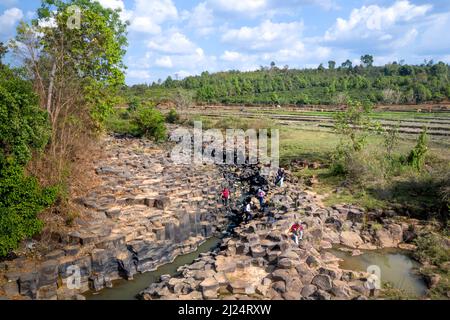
x,y
297,232
261,194
280,177
248,215
225,196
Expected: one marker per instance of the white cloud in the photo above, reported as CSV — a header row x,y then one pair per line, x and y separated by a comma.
x,y
373,20
9,18
148,15
239,5
117,4
266,35
434,35
183,74
268,8
112,4
139,74
231,56
164,62
201,19
173,42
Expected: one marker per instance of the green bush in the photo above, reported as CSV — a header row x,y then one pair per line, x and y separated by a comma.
x,y
172,116
416,158
24,128
21,199
432,248
150,123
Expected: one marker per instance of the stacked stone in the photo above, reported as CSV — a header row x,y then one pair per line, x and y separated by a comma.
x,y
261,261
146,212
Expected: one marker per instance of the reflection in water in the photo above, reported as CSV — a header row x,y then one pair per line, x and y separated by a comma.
x,y
127,290
396,267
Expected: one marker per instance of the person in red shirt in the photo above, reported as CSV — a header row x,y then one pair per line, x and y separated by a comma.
x,y
225,196
297,232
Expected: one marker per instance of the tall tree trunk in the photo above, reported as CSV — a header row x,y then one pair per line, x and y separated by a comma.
x,y
50,88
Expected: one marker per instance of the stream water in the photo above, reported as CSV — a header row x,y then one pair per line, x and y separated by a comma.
x,y
396,266
127,290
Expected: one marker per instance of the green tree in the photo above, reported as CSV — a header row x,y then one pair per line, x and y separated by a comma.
x,y
183,99
354,123
150,123
417,156
3,51
82,64
172,116
331,65
347,64
24,128
367,60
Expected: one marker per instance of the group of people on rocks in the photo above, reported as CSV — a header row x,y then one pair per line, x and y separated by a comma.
x,y
296,230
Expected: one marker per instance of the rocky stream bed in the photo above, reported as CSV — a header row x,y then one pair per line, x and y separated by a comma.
x,y
148,211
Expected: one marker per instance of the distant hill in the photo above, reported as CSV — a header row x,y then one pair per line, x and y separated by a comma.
x,y
393,83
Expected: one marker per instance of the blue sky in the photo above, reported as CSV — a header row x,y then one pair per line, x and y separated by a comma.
x,y
185,37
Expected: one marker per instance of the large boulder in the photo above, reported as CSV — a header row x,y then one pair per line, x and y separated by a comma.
x,y
308,290
389,237
351,239
322,282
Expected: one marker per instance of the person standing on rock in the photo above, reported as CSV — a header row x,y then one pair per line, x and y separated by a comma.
x,y
261,194
248,211
280,178
297,232
225,196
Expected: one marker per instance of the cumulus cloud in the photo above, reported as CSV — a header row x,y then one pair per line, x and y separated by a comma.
x,y
139,74
267,35
164,62
9,19
174,42
375,21
117,4
239,5
267,7
148,15
201,19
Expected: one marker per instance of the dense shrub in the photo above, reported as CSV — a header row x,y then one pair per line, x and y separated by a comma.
x,y
150,123
432,248
21,199
173,116
23,129
416,158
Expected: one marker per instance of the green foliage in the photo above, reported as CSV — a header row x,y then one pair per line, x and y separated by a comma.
x,y
355,123
272,85
150,123
432,248
367,60
23,129
21,199
173,116
417,156
391,139
183,99
92,53
134,104
23,125
3,51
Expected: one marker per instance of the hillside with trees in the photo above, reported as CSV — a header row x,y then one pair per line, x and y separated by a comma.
x,y
394,83
52,108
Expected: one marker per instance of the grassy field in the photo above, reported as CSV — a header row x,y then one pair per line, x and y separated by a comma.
x,y
316,146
